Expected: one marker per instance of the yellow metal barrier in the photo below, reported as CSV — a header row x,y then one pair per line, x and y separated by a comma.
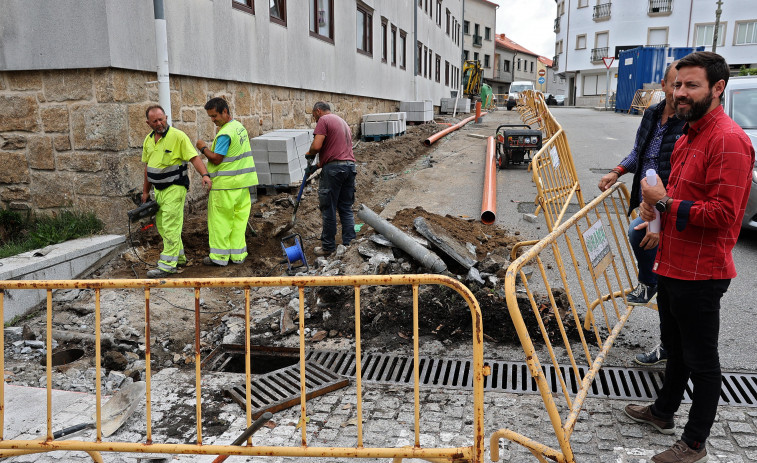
x,y
473,453
585,269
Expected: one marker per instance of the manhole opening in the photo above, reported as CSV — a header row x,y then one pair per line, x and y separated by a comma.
x,y
230,358
64,357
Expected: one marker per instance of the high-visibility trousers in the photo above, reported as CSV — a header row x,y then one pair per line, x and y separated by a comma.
x,y
170,220
228,212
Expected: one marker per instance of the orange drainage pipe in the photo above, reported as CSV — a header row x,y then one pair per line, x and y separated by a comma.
x,y
444,132
489,202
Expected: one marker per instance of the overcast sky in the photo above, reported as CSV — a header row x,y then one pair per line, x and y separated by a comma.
x,y
529,23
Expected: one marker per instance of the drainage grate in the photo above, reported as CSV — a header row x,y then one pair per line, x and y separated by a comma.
x,y
280,389
739,389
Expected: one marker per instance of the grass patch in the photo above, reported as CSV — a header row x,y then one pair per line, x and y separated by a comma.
x,y
18,234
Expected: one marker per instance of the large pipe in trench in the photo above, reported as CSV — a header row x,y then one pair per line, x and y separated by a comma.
x,y
489,201
444,132
427,258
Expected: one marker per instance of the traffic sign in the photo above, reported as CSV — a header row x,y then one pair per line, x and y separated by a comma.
x,y
542,80
542,72
608,61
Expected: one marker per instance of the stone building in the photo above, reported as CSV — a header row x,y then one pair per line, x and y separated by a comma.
x,y
77,75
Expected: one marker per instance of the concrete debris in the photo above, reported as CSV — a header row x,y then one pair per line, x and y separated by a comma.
x,y
530,218
28,334
286,323
445,243
13,333
378,238
474,276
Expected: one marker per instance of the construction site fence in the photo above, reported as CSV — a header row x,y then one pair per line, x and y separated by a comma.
x,y
46,443
581,273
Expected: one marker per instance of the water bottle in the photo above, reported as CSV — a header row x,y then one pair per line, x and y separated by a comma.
x,y
654,225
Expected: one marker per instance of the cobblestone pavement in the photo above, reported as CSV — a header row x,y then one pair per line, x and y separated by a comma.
x,y
603,433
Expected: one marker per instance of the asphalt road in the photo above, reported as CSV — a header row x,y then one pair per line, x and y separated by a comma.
x,y
598,141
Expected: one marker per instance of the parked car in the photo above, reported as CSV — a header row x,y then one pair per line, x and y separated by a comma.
x,y
740,104
560,100
554,100
515,89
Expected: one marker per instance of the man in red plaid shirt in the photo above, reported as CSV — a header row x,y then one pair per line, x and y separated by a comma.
x,y
701,210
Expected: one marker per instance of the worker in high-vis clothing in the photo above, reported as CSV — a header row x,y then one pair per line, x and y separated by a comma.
x,y
232,170
166,152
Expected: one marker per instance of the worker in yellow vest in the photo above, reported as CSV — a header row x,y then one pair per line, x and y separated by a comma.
x,y
166,152
232,170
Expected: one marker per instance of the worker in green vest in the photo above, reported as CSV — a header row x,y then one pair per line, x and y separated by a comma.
x,y
232,170
166,152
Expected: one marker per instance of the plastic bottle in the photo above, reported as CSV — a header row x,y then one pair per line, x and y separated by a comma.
x,y
654,225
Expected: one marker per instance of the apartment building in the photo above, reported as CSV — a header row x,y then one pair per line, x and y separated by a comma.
x,y
76,76
588,30
478,31
513,62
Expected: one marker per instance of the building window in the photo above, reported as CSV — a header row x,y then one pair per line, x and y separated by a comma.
x,y
703,34
581,42
519,64
430,63
486,61
403,49
439,13
488,33
425,62
278,9
384,40
532,67
466,55
558,47
657,36
428,9
448,21
506,65
394,45
322,19
364,30
419,63
244,5
583,3
446,73
466,27
475,56
746,33
438,75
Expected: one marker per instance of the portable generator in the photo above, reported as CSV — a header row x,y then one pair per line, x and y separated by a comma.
x,y
516,143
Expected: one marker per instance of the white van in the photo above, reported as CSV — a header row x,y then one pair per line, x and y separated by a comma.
x,y
515,89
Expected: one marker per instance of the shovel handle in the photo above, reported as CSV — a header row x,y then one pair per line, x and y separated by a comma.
x,y
72,429
247,433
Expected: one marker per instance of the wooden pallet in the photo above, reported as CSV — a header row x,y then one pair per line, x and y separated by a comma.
x,y
381,137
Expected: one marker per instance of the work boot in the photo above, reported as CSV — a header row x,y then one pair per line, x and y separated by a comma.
x,y
681,453
643,414
319,251
208,261
158,273
641,295
653,357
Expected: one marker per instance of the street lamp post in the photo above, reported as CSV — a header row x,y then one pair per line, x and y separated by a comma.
x,y
717,26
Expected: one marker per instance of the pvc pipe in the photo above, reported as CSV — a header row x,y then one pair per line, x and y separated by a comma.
x,y
161,48
427,258
430,140
478,112
489,201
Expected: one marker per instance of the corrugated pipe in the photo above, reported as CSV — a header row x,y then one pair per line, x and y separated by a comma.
x,y
444,132
489,201
403,241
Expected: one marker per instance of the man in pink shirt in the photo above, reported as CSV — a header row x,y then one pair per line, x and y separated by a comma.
x,y
336,189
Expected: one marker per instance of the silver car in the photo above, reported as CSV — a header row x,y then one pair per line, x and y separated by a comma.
x,y
741,105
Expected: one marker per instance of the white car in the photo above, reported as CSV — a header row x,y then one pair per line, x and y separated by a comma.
x,y
740,104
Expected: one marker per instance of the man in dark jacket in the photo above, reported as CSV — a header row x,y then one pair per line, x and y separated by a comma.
x,y
657,135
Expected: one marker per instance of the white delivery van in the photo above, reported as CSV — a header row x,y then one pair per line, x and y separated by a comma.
x,y
515,89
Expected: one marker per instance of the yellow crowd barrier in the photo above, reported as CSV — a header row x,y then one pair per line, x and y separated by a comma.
x,y
585,269
473,453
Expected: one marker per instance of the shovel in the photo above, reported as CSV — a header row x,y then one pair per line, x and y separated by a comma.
x,y
286,227
115,411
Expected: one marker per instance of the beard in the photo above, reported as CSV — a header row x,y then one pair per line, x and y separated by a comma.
x,y
162,130
697,109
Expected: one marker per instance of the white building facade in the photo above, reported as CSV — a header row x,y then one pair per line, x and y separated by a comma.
x,y
478,30
589,30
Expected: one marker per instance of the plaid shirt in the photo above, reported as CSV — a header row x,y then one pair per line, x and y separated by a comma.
x,y
709,183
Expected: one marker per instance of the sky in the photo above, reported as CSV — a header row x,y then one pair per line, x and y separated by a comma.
x,y
529,23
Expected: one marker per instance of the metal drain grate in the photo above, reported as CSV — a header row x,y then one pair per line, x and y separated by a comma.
x,y
739,389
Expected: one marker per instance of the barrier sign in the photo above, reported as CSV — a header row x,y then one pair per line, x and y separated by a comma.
x,y
597,246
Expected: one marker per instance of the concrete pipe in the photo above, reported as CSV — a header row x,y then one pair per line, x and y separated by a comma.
x,y
489,201
427,258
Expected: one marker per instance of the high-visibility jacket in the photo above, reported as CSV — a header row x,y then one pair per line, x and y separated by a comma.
x,y
167,159
237,170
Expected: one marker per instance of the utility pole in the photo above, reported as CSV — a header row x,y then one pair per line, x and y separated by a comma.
x,y
717,26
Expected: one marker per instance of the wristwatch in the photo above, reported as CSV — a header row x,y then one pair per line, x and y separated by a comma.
x,y
662,204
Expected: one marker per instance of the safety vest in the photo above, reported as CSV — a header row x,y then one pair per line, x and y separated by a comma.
x,y
167,159
237,170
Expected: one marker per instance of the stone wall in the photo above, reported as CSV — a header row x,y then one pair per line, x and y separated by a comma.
x,y
73,138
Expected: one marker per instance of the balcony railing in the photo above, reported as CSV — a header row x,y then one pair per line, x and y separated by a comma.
x,y
660,7
557,24
477,41
602,12
598,53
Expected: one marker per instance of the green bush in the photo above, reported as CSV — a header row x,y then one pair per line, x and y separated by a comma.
x,y
20,235
745,71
